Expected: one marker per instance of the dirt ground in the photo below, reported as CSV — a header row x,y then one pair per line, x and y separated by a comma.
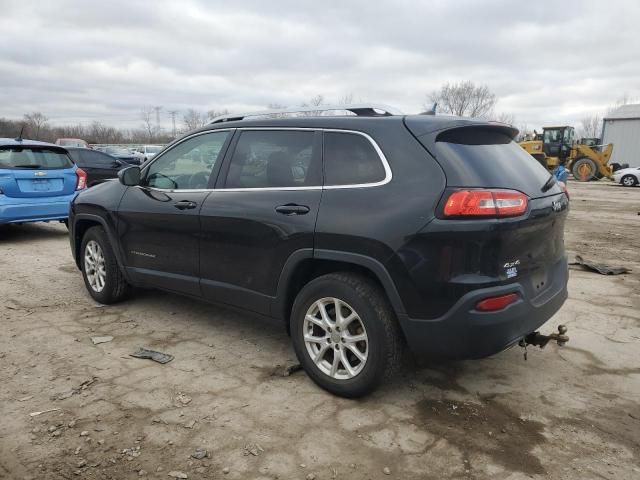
x,y
565,413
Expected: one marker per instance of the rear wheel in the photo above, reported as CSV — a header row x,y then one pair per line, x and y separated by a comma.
x,y
100,270
345,334
584,169
629,181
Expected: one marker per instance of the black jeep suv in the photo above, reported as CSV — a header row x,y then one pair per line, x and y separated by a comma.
x,y
362,233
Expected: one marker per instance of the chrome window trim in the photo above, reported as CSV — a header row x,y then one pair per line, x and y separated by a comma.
x,y
388,175
387,169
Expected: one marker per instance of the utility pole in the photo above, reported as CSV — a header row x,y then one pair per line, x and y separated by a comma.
x,y
157,109
172,114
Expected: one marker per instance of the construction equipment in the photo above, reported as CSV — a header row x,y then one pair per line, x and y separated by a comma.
x,y
587,161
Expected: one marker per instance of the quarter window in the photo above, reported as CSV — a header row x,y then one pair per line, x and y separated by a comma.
x,y
274,159
189,164
350,159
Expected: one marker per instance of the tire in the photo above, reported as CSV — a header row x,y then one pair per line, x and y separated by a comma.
x,y
584,169
374,317
113,287
629,181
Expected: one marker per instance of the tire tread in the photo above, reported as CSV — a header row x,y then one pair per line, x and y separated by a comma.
x,y
117,287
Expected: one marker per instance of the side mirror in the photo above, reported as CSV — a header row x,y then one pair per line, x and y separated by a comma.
x,y
129,176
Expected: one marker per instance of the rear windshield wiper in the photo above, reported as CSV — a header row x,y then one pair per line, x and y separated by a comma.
x,y
28,166
551,181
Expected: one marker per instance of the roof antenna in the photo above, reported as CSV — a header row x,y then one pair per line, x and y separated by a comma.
x,y
19,137
432,111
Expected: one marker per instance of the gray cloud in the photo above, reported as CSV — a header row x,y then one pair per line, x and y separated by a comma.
x,y
548,62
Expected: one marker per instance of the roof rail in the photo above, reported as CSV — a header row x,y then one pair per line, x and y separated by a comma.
x,y
362,110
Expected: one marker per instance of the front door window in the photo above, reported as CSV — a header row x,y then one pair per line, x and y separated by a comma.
x,y
188,165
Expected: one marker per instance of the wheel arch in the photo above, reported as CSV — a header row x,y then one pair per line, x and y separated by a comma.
x,y
83,222
305,265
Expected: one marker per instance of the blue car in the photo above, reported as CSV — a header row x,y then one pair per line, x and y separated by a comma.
x,y
37,181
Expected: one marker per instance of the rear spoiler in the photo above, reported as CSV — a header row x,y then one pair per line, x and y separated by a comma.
x,y
465,133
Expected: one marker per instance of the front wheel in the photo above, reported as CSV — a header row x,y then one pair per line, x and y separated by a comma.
x,y
345,334
629,181
102,276
584,169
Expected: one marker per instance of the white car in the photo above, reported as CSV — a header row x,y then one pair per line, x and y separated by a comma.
x,y
147,152
629,177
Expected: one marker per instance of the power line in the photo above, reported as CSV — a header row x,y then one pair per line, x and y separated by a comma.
x,y
172,114
158,109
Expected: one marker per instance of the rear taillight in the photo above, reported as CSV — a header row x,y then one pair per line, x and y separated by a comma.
x,y
563,187
485,203
81,176
493,304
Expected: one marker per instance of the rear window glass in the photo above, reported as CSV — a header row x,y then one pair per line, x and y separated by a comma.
x,y
484,158
33,158
350,159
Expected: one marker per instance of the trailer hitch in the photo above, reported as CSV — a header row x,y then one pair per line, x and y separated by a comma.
x,y
540,340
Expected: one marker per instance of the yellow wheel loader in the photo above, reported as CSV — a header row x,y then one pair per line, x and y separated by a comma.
x,y
556,147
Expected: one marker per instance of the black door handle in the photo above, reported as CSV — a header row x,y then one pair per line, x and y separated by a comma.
x,y
185,205
292,209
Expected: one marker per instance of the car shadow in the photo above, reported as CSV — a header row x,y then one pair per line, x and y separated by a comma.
x,y
27,232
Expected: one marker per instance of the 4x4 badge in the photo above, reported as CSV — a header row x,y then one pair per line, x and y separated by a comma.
x,y
511,268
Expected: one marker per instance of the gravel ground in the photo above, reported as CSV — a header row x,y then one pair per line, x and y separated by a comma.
x,y
570,412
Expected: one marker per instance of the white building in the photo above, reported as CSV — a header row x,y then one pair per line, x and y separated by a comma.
x,y
622,128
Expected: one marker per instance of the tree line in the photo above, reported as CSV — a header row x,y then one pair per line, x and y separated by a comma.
x,y
465,99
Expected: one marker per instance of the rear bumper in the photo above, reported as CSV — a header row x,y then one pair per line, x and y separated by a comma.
x,y
24,209
465,333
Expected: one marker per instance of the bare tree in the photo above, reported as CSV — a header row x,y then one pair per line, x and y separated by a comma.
x,y
147,114
464,99
276,106
346,99
213,113
193,119
315,101
625,99
590,126
35,122
508,118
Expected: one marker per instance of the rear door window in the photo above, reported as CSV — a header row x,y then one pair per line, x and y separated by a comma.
x,y
351,159
275,159
33,158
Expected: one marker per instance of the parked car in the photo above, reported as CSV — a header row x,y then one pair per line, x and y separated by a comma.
x,y
362,234
147,152
37,181
123,154
629,177
98,166
72,142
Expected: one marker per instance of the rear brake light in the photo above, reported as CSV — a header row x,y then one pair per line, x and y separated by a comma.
x,y
485,203
81,179
493,304
563,187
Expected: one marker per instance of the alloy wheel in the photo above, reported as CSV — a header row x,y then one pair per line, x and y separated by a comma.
x,y
94,266
335,338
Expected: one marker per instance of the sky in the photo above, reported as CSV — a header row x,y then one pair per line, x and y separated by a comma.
x,y
548,62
